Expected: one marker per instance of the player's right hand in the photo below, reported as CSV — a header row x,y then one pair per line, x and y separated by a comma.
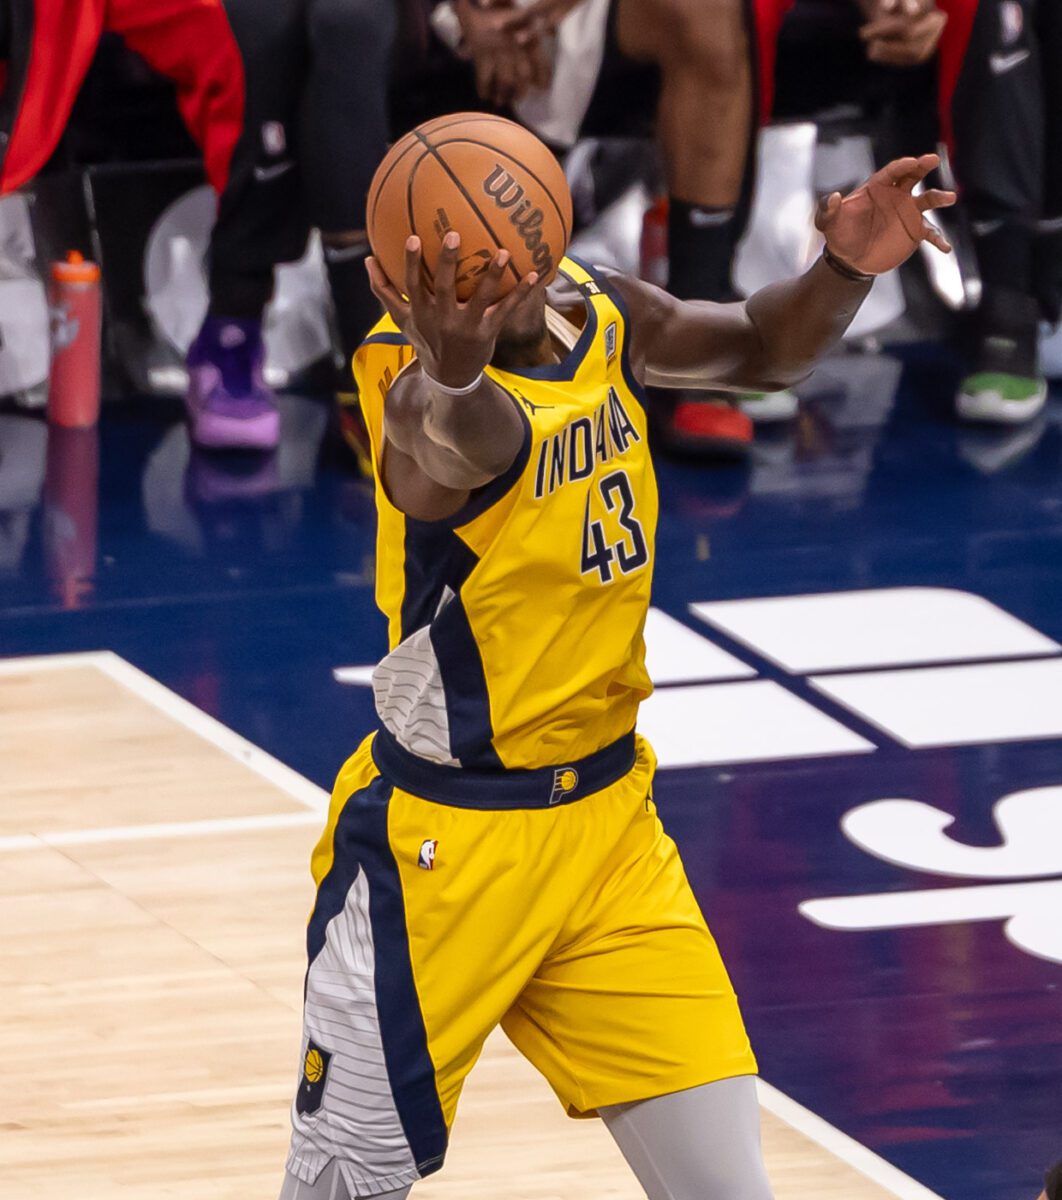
x,y
454,339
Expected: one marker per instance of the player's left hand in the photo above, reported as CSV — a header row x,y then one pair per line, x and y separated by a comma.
x,y
880,225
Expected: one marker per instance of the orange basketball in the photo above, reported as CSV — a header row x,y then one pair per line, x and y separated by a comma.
x,y
489,179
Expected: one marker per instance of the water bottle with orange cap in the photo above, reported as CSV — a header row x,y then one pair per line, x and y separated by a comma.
x,y
74,383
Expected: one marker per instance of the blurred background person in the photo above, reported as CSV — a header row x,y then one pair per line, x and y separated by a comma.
x,y
1007,122
998,83
288,104
47,47
314,127
993,67
681,69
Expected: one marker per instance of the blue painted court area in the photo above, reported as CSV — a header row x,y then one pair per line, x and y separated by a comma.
x,y
866,784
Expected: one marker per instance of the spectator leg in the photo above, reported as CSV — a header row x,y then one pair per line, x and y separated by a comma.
x,y
702,48
261,216
1048,255
344,136
1000,90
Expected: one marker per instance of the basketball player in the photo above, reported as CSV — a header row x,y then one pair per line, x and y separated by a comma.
x,y
493,854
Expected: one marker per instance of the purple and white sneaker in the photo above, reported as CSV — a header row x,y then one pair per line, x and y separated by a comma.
x,y
229,405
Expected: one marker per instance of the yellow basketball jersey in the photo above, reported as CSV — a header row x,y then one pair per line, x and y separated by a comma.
x,y
515,626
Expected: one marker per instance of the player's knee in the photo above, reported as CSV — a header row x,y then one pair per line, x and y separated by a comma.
x,y
709,35
365,25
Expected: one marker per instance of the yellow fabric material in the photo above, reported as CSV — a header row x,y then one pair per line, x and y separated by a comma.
x,y
560,641
574,927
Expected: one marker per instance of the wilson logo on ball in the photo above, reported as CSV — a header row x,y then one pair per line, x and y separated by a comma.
x,y
525,216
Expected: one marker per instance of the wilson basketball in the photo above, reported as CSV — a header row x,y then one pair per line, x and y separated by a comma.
x,y
487,178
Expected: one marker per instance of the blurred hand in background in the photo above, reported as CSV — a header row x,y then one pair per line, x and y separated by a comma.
x,y
506,49
902,33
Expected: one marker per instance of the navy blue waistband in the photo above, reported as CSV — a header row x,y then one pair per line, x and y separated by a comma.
x,y
543,787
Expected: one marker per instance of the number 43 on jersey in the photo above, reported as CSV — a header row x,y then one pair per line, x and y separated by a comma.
x,y
628,552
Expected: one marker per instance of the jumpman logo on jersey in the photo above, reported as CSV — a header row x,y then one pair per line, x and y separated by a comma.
x,y
531,406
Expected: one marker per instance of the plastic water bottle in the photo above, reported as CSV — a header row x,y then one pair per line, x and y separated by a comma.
x,y
75,300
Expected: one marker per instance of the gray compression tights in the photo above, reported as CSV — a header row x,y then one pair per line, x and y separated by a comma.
x,y
328,1186
701,1144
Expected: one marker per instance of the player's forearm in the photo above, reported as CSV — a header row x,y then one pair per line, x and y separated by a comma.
x,y
462,442
800,320
483,428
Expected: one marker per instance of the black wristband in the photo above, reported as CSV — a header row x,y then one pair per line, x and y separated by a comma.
x,y
843,269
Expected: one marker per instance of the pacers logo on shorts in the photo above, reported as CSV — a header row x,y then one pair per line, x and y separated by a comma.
x,y
565,781
314,1076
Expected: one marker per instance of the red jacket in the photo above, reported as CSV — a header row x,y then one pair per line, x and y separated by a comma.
x,y
52,43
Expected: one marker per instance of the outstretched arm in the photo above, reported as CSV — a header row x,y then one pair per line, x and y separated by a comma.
x,y
775,338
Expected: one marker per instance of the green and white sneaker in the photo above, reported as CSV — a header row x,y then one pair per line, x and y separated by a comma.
x,y
1001,398
768,408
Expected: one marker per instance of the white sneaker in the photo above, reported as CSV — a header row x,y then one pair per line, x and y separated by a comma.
x,y
765,408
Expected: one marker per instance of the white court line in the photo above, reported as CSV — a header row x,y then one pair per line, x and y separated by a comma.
x,y
814,1128
166,829
52,662
297,786
841,1146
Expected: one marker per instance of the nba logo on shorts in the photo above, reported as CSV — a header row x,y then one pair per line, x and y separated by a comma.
x,y
610,342
565,781
426,858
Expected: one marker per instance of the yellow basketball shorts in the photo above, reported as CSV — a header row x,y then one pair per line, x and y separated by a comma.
x,y
449,902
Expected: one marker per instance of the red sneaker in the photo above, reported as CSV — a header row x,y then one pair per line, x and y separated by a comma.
x,y
707,428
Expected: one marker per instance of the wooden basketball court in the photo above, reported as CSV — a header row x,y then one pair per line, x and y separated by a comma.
x,y
154,888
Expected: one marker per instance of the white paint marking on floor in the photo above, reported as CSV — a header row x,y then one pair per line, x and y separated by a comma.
x,y
913,835
297,786
879,627
841,1146
164,829
956,706
674,653
1029,912
355,676
753,721
936,906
